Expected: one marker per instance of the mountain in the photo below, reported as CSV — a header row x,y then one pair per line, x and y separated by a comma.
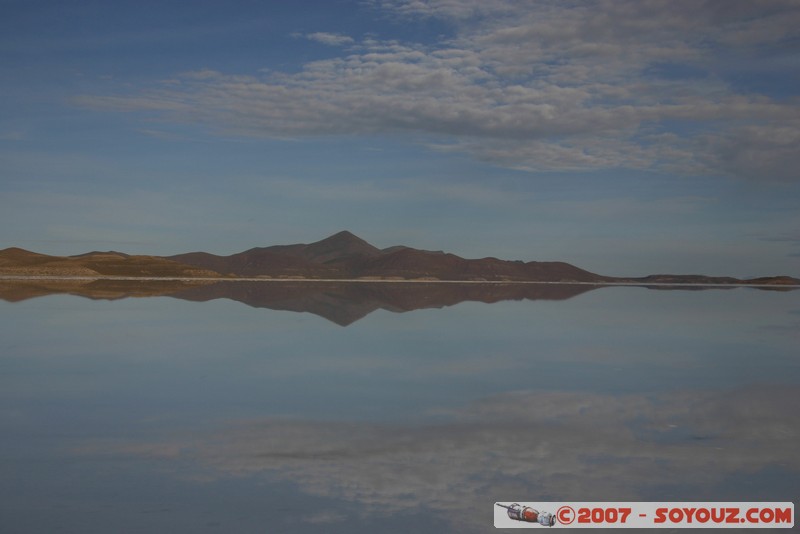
x,y
346,256
334,257
339,257
338,247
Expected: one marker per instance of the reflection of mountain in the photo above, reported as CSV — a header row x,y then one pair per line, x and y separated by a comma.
x,y
345,303
101,289
340,302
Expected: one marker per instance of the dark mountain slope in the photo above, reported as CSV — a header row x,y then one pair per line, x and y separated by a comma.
x,y
345,255
340,256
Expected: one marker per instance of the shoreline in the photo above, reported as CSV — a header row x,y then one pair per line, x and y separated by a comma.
x,y
26,278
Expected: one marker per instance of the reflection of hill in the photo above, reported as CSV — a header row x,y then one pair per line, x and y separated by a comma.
x,y
345,303
19,290
340,302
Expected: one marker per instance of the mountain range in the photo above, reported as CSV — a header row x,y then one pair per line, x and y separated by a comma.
x,y
342,256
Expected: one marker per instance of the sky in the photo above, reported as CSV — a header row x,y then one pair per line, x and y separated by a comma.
x,y
625,137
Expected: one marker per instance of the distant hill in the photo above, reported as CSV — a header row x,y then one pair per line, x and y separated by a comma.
x,y
340,256
345,255
16,261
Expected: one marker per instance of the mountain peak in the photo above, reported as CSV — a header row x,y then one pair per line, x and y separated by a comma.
x,y
341,245
344,237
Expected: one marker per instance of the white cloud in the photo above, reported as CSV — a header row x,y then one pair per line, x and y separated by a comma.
x,y
534,86
768,152
332,39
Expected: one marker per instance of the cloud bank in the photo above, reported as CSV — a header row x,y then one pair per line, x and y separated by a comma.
x,y
538,86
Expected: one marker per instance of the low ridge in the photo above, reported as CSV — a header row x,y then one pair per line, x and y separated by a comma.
x,y
340,256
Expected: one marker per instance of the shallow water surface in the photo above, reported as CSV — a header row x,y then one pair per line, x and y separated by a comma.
x,y
363,410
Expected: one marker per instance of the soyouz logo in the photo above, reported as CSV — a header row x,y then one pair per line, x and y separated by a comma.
x,y
644,515
528,514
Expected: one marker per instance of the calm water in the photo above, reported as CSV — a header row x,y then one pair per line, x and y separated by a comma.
x,y
158,414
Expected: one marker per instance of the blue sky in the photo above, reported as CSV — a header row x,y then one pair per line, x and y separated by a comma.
x,y
625,137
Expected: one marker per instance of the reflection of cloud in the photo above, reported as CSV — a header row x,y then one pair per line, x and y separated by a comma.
x,y
521,445
788,330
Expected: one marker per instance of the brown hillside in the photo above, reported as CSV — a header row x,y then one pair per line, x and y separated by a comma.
x,y
19,262
345,255
340,256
